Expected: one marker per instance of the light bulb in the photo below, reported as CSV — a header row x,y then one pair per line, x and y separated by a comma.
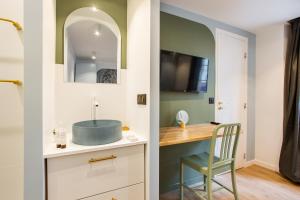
x,y
97,33
94,9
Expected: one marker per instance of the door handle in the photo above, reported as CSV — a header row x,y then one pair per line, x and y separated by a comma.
x,y
220,105
94,160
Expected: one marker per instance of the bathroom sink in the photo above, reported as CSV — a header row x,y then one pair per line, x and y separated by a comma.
x,y
96,132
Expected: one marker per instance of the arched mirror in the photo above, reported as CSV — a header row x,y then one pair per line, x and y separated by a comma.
x,y
92,47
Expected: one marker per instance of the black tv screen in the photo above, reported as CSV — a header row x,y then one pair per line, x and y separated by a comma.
x,y
183,73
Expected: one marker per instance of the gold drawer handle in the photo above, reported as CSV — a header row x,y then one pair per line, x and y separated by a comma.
x,y
94,160
113,199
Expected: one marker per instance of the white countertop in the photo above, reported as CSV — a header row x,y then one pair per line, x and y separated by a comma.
x,y
50,150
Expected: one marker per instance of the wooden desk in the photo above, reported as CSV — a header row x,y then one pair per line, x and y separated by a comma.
x,y
192,133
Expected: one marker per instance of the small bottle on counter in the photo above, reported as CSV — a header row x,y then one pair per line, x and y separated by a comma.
x,y
56,138
62,137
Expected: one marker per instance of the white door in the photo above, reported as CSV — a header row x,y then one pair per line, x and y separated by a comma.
x,y
231,85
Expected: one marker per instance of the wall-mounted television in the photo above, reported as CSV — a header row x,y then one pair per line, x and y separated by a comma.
x,y
183,73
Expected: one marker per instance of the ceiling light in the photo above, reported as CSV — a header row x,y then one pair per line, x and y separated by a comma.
x,y
94,9
97,33
97,30
93,57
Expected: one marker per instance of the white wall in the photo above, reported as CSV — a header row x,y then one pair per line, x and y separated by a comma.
x,y
69,76
49,31
138,71
86,72
270,60
143,59
138,64
11,103
73,100
106,65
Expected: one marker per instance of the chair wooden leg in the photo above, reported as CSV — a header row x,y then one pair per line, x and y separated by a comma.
x,y
181,180
209,187
233,179
204,182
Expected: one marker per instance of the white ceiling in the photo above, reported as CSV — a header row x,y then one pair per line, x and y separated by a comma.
x,y
246,14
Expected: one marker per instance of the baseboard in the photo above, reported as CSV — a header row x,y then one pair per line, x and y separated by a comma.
x,y
267,165
262,164
249,163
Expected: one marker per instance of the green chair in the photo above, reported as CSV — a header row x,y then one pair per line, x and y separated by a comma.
x,y
210,165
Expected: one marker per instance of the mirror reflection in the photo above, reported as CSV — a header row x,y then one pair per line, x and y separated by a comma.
x,y
92,47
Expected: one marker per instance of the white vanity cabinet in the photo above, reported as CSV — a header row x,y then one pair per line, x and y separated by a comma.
x,y
135,192
114,174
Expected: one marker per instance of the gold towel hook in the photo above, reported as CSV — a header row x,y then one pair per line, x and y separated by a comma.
x,y
14,23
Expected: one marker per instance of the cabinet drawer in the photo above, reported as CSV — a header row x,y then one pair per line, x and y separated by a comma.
x,y
135,192
74,177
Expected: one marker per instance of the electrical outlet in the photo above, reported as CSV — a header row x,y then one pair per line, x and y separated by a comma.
x,y
211,100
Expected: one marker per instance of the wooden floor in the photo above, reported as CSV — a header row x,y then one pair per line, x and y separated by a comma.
x,y
254,183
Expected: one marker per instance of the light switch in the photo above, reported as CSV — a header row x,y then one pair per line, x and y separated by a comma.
x,y
141,99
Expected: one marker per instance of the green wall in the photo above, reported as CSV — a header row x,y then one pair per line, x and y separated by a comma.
x,y
181,35
117,9
184,36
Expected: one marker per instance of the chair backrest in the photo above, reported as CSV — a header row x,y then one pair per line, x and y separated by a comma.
x,y
229,134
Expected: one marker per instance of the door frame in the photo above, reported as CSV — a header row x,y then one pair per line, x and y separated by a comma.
x,y
217,66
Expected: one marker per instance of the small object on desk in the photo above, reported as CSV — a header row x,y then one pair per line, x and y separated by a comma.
x,y
215,123
182,125
182,117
